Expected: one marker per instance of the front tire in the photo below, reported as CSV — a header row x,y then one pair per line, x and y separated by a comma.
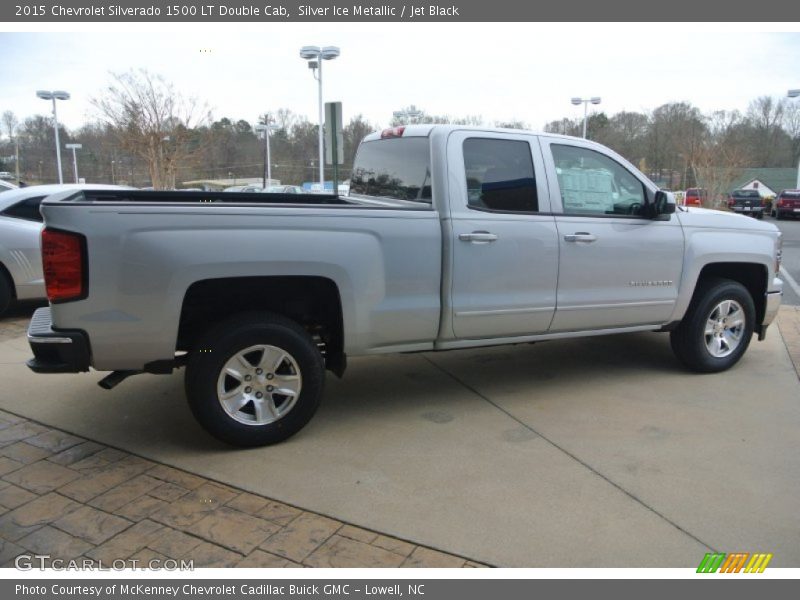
x,y
6,293
717,328
255,379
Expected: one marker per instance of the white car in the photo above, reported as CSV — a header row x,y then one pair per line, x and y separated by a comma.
x,y
6,186
284,189
21,276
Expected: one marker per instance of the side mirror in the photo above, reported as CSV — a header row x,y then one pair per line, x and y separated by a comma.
x,y
663,205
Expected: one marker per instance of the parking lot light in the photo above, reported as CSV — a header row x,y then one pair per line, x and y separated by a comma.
x,y
74,147
315,56
585,101
795,94
266,128
55,95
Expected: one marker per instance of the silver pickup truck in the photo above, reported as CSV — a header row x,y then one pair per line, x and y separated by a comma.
x,y
450,237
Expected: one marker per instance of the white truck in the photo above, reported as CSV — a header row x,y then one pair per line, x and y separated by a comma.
x,y
451,237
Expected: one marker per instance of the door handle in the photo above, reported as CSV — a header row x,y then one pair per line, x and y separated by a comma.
x,y
478,237
580,236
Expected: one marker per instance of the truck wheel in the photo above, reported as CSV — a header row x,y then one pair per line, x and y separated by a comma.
x,y
6,293
255,379
717,328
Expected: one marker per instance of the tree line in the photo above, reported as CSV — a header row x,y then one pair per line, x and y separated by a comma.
x,y
146,133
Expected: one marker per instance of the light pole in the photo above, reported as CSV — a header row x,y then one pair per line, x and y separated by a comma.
x,y
266,128
74,147
585,102
315,55
795,94
410,113
55,95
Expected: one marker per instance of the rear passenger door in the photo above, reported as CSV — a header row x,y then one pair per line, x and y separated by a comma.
x,y
617,267
503,243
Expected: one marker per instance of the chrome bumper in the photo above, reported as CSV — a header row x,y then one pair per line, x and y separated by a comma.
x,y
773,303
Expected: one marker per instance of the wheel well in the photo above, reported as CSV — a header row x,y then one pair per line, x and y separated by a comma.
x,y
751,275
313,302
4,273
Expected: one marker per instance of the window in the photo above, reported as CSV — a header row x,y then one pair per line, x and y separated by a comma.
x,y
592,183
26,209
500,175
398,168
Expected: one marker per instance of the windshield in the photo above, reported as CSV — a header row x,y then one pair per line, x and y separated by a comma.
x,y
397,168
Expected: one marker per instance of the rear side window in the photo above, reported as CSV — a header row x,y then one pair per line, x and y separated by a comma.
x,y
500,175
397,168
26,209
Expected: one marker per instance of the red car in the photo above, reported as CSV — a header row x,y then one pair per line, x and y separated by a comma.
x,y
787,204
695,197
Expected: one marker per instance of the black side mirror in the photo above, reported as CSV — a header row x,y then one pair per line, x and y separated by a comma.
x,y
663,205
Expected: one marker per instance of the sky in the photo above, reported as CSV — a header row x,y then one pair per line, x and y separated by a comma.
x,y
522,71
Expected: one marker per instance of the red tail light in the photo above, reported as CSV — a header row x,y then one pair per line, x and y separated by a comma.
x,y
63,261
731,202
393,132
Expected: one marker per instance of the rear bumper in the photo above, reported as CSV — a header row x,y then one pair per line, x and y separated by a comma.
x,y
56,351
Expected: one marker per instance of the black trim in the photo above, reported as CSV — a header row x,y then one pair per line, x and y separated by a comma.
x,y
73,357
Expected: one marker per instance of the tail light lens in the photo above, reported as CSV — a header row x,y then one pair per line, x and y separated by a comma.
x,y
731,202
393,132
64,265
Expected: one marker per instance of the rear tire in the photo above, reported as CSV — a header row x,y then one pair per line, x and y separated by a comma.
x,y
6,293
717,327
255,379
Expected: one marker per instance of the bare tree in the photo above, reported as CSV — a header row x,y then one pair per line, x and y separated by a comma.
x,y
153,122
791,125
10,123
716,163
765,115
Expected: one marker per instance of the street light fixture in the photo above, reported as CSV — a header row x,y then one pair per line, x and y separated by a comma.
x,y
315,55
55,95
410,113
585,102
266,128
74,147
795,94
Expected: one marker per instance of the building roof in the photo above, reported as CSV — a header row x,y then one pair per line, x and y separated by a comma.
x,y
776,179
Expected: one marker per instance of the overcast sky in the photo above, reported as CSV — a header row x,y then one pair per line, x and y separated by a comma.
x,y
498,71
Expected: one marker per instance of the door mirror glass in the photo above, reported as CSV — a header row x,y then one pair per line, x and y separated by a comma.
x,y
663,204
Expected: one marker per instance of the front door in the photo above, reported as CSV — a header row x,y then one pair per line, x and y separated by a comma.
x,y
617,267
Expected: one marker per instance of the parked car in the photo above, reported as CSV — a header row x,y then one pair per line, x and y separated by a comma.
x,y
747,202
787,204
21,275
451,237
695,197
284,189
6,185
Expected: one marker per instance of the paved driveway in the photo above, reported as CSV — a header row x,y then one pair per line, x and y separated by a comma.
x,y
595,452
